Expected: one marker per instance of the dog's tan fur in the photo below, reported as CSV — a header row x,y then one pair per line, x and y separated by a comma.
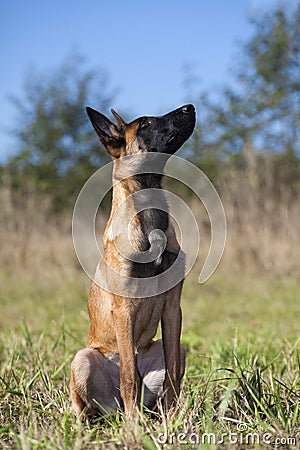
x,y
121,355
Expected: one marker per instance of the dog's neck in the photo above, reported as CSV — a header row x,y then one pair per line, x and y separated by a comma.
x,y
131,190
126,184
143,181
148,208
137,172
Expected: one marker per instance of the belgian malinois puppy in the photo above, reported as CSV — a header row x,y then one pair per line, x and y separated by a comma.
x,y
122,365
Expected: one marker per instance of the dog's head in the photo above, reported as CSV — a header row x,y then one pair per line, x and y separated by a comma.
x,y
164,134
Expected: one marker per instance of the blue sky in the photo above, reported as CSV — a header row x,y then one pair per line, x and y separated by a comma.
x,y
142,45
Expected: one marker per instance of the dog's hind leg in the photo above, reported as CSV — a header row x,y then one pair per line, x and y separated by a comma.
x,y
95,380
151,367
94,383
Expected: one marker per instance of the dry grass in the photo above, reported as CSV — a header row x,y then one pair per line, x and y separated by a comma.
x,y
263,225
262,213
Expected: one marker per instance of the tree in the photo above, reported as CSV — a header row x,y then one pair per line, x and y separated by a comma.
x,y
58,149
262,110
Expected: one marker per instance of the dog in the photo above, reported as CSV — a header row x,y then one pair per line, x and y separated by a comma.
x,y
123,366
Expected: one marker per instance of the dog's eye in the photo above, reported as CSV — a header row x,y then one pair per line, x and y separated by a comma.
x,y
145,123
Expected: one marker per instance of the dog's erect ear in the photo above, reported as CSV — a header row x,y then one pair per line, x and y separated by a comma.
x,y
119,120
111,136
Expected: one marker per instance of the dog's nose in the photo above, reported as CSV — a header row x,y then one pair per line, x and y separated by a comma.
x,y
187,109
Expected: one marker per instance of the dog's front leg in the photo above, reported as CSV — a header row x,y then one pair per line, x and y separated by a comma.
x,y
124,318
171,329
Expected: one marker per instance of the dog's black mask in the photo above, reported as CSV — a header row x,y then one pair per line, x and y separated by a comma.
x,y
166,133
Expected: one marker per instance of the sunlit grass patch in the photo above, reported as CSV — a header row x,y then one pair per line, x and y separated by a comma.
x,y
241,382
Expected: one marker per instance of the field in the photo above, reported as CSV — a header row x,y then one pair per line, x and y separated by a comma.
x,y
241,331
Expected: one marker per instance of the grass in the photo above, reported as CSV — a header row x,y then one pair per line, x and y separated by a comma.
x,y
241,388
